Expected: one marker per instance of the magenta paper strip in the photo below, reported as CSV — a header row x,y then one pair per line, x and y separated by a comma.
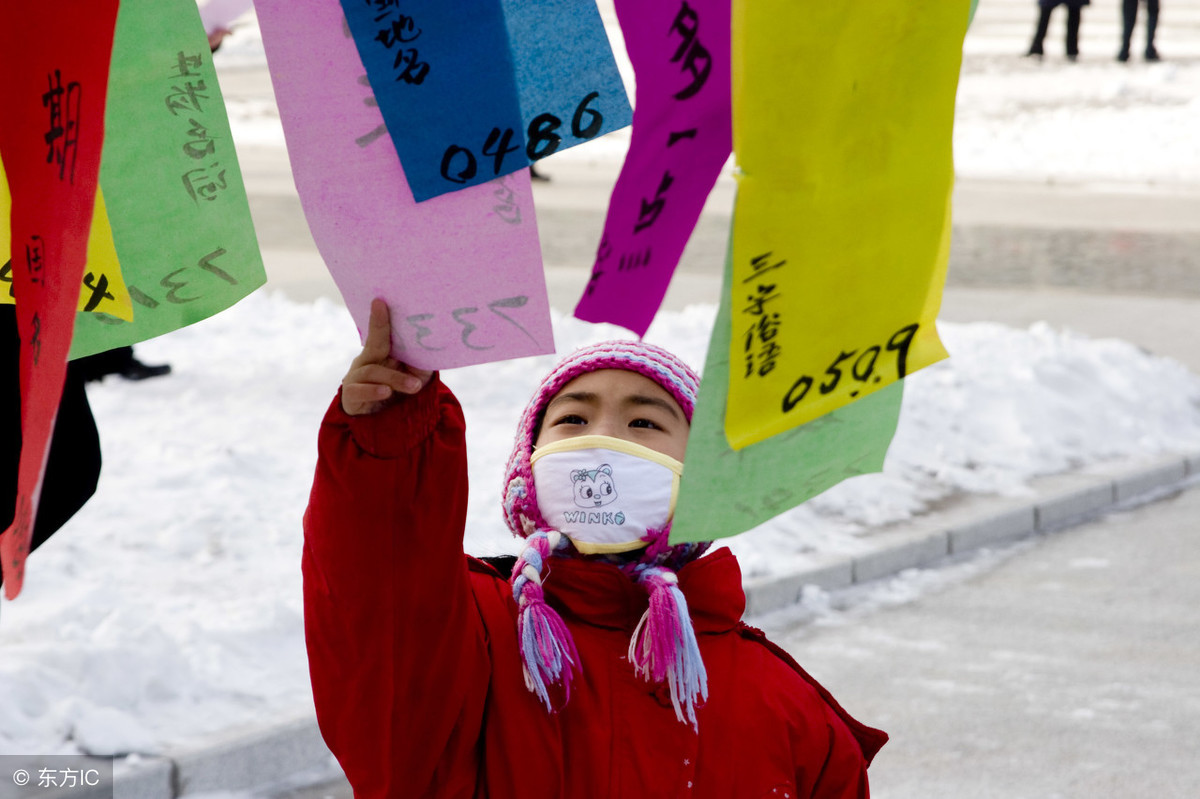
x,y
682,135
461,273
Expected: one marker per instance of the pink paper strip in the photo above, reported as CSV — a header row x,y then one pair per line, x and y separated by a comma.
x,y
461,273
681,137
53,91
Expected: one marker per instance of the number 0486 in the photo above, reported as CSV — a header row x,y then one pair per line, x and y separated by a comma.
x,y
460,165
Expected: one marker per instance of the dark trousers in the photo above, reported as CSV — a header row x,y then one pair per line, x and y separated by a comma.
x,y
1074,15
73,462
1129,9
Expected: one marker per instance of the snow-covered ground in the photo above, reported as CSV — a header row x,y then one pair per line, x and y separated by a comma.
x,y
169,608
1094,121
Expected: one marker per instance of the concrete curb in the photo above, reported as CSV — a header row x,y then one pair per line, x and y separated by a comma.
x,y
267,756
975,523
276,755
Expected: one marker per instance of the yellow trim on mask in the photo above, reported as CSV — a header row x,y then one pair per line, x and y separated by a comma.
x,y
588,548
608,442
616,445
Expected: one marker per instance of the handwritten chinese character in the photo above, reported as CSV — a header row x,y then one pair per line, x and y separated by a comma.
x,y
402,31
414,70
35,341
62,136
760,266
33,258
99,291
762,331
184,65
200,186
650,210
186,97
383,7
201,145
765,295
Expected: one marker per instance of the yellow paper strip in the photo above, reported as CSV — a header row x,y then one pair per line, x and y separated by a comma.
x,y
842,130
103,289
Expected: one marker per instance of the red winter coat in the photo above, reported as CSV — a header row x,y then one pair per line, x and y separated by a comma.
x,y
416,673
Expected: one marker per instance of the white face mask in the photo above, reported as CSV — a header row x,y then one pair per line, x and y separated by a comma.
x,y
604,493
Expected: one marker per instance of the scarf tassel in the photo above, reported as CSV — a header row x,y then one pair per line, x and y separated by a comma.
x,y
664,647
548,651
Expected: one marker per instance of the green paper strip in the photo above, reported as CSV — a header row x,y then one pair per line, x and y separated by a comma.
x,y
170,176
725,491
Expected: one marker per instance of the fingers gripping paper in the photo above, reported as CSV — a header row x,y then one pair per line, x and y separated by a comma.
x,y
461,273
681,139
842,131
55,80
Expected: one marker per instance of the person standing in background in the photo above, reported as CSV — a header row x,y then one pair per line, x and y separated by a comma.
x,y
1074,17
1129,9
73,460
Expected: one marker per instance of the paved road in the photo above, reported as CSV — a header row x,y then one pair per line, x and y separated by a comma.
x,y
1064,668
1067,671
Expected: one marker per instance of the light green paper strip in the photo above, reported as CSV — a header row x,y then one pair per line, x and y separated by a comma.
x,y
725,492
181,223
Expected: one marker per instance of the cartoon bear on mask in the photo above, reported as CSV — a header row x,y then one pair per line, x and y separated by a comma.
x,y
594,487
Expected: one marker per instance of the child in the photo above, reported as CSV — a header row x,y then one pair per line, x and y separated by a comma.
x,y
621,667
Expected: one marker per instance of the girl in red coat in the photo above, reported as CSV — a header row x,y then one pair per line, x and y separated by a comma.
x,y
604,662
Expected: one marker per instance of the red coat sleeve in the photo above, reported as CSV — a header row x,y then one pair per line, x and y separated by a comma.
x,y
396,649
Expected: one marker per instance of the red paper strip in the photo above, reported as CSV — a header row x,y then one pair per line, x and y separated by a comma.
x,y
53,86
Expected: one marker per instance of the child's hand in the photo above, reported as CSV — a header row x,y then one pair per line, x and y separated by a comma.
x,y
375,377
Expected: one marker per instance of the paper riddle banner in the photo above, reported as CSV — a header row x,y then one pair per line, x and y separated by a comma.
x,y
180,219
681,138
103,288
725,491
55,78
470,96
842,131
461,273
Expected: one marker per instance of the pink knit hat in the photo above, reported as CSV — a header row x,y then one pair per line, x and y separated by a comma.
x,y
664,647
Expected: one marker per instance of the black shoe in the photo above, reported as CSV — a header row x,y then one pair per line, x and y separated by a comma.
x,y
1035,49
1152,54
136,370
1072,57
535,175
1123,56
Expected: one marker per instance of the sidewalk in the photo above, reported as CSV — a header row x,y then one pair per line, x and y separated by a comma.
x,y
288,760
290,756
1020,253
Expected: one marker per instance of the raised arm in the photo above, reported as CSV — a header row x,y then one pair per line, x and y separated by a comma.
x,y
396,652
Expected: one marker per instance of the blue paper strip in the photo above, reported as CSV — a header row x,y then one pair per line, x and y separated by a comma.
x,y
469,94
